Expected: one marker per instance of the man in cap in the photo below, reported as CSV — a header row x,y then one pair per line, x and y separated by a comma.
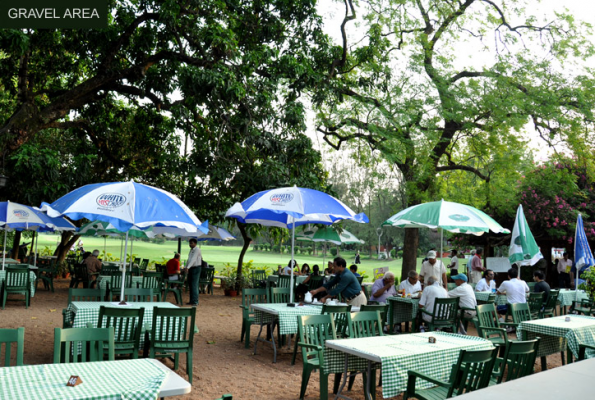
x,y
467,301
433,267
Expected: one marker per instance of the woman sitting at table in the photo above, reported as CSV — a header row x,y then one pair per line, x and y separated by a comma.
x,y
303,287
305,269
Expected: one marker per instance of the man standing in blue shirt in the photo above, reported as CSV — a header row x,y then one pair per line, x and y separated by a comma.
x,y
345,284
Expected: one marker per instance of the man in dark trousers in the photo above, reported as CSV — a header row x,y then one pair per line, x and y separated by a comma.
x,y
193,265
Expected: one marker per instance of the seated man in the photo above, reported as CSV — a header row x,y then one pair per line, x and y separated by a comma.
x,y
172,268
383,288
487,283
432,291
541,285
353,270
344,283
464,292
93,267
515,290
411,284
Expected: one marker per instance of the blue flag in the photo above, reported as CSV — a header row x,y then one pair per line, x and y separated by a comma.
x,y
582,252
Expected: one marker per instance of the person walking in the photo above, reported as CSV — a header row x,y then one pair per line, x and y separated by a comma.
x,y
192,265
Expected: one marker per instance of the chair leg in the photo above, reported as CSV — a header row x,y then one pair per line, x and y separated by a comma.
x,y
323,385
351,380
247,334
189,365
306,372
176,361
295,349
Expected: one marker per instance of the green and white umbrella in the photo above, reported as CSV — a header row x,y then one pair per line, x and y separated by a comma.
x,y
446,215
523,249
328,235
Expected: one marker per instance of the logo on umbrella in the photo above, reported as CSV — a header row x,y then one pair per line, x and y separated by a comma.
x,y
459,217
281,198
111,200
20,213
344,235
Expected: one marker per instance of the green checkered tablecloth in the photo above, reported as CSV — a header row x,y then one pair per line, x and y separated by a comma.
x,y
105,380
297,278
32,278
103,280
556,334
566,297
88,311
402,309
287,316
398,354
483,296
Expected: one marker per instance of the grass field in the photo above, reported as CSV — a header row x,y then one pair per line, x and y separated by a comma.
x,y
217,255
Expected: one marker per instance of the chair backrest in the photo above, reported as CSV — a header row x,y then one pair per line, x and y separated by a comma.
x,y
279,295
253,296
110,270
173,327
75,294
7,338
315,330
81,272
364,324
116,281
520,312
552,300
445,310
339,314
531,285
360,279
381,308
257,276
207,275
315,282
487,318
472,371
152,280
89,341
127,323
139,294
16,279
144,263
520,359
160,268
136,260
284,281
535,301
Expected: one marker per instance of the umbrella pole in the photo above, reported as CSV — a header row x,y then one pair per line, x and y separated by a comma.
x,y
104,248
35,254
131,246
121,247
291,278
578,269
4,252
122,301
441,242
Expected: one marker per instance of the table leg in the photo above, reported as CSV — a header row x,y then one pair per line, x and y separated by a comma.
x,y
367,385
344,380
259,339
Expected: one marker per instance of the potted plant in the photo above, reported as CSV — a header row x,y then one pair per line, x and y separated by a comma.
x,y
229,286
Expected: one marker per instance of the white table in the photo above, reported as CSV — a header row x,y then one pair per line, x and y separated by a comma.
x,y
567,382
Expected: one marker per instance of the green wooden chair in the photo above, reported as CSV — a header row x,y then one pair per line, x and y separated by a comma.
x,y
314,331
136,260
258,277
488,325
284,281
7,338
279,295
518,361
549,309
16,282
472,371
535,302
153,281
109,270
144,264
361,324
249,297
90,342
585,307
582,351
139,295
520,312
225,397
81,275
339,314
381,308
315,282
205,282
79,295
46,276
172,333
444,315
175,287
115,283
127,323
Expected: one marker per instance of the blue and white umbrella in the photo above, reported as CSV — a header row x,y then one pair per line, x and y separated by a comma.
x,y
19,217
289,207
124,204
582,252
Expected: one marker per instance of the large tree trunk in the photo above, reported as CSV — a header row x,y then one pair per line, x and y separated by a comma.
x,y
410,244
66,242
247,240
16,241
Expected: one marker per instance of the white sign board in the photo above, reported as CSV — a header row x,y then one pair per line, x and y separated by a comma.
x,y
498,264
379,272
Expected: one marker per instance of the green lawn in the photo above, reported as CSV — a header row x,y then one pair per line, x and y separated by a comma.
x,y
219,255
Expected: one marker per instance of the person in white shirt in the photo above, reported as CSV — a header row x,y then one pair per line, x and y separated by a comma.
x,y
515,290
487,283
464,292
433,267
454,263
383,288
287,269
432,292
564,267
194,261
411,284
471,255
